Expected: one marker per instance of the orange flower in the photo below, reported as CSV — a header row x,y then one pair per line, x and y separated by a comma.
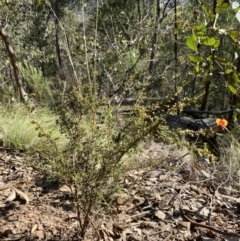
x,y
222,123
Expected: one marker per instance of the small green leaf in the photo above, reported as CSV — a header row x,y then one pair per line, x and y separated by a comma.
x,y
192,42
209,41
195,59
232,89
217,44
2,4
200,29
222,6
233,82
234,34
235,78
197,68
222,61
237,187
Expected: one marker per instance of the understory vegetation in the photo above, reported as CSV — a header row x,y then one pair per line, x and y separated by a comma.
x,y
85,84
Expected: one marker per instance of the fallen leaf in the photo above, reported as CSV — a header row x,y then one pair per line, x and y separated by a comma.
x,y
72,215
34,228
22,195
184,226
161,215
122,199
40,234
12,196
205,212
65,189
165,226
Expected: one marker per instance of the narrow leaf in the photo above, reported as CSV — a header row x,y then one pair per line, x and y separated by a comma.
x,y
232,89
217,43
34,228
234,35
195,59
197,68
235,79
22,195
223,61
11,197
209,41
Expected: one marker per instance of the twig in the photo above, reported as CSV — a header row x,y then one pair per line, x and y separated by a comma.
x,y
140,215
237,200
169,236
228,234
95,229
67,47
208,112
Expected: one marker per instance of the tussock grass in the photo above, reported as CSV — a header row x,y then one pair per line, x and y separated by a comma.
x,y
18,131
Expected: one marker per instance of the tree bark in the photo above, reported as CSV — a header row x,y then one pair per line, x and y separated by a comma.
x,y
58,45
13,61
175,46
154,41
205,96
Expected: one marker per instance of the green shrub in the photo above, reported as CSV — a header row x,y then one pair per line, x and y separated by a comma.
x,y
37,84
93,160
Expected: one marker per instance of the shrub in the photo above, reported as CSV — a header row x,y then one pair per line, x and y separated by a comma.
x,y
92,161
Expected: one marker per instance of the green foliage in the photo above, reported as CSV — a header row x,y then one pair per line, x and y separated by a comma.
x,y
112,45
207,41
192,42
92,161
222,6
37,84
18,131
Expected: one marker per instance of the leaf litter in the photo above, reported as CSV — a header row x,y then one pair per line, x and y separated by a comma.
x,y
177,198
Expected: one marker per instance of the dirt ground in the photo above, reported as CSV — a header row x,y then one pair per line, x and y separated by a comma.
x,y
177,198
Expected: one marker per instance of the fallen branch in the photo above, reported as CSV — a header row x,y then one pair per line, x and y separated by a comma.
x,y
228,234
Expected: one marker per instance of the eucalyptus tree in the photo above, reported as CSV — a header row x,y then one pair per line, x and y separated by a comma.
x,y
127,36
40,44
151,46
9,32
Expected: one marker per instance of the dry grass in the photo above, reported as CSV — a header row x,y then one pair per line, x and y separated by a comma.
x,y
151,154
18,131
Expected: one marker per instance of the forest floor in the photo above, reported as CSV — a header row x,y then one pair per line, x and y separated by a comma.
x,y
172,199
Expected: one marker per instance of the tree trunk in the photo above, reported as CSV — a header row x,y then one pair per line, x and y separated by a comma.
x,y
154,41
58,45
175,46
13,61
205,96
